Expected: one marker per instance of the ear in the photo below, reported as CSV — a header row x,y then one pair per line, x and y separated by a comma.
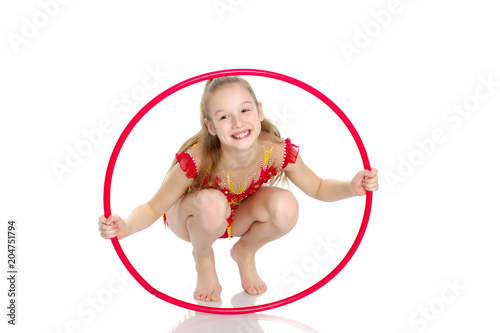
x,y
210,126
261,111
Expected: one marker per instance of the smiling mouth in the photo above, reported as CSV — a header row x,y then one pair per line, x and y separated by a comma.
x,y
241,135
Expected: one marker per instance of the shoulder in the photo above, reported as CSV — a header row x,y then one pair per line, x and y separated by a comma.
x,y
290,152
190,159
282,150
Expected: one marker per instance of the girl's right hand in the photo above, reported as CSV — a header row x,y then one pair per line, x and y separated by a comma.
x,y
113,226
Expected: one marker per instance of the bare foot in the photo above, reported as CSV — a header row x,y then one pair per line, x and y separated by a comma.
x,y
208,287
250,280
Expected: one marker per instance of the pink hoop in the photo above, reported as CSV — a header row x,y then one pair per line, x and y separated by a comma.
x,y
207,76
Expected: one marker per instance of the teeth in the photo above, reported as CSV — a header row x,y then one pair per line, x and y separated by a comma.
x,y
242,135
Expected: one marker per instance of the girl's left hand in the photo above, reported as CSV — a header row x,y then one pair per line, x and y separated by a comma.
x,y
365,180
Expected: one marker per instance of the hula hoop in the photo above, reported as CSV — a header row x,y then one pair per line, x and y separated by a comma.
x,y
207,76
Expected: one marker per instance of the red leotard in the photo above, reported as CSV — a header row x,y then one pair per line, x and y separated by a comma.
x,y
237,187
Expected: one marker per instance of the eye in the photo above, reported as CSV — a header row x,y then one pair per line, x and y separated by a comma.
x,y
245,110
223,117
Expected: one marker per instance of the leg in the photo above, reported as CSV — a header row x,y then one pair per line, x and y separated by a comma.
x,y
265,216
200,218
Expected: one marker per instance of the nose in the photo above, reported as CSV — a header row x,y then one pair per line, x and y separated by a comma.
x,y
237,121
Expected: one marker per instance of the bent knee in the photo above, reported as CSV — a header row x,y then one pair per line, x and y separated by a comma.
x,y
284,210
212,207
211,201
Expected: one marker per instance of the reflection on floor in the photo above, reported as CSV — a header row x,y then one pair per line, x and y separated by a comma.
x,y
250,323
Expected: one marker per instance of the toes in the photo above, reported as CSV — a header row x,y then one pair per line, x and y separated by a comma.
x,y
251,291
207,297
199,295
256,290
215,297
196,295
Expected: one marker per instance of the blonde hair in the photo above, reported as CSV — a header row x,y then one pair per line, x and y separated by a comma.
x,y
210,144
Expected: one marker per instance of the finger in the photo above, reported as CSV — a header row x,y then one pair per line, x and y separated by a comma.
x,y
107,236
370,173
371,187
372,180
367,174
101,224
102,219
109,233
108,227
105,222
111,220
105,227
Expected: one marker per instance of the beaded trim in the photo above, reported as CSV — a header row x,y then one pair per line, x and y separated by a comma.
x,y
284,154
194,161
192,158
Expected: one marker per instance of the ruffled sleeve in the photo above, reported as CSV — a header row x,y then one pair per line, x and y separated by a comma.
x,y
188,164
290,153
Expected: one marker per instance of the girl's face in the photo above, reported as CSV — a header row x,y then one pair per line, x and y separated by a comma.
x,y
235,118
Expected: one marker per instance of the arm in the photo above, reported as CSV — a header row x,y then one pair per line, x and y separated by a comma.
x,y
330,189
172,188
143,216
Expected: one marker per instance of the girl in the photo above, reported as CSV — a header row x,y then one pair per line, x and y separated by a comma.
x,y
214,187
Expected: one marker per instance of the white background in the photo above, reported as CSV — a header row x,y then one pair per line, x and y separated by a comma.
x,y
429,259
